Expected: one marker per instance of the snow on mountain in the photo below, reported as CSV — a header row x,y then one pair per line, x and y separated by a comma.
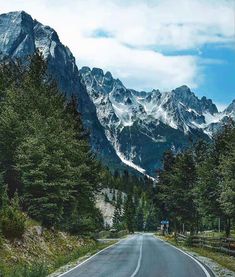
x,y
157,117
115,104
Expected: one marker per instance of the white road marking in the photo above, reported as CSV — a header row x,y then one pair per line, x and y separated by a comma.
x,y
195,260
139,260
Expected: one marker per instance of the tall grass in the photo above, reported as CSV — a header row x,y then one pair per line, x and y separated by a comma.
x,y
37,270
42,270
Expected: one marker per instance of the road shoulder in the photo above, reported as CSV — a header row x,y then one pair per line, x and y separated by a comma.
x,y
211,265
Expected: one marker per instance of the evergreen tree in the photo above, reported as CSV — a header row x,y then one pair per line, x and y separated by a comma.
x,y
139,220
129,214
44,152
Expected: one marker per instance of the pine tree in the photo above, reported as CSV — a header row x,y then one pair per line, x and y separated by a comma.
x,y
176,185
129,214
139,220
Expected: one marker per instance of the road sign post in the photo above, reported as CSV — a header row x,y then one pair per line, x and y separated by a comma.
x,y
165,226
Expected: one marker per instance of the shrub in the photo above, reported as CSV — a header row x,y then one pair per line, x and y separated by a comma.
x,y
189,241
12,218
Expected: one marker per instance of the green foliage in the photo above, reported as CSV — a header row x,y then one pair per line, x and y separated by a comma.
x,y
11,217
139,219
129,213
37,270
198,186
44,151
176,190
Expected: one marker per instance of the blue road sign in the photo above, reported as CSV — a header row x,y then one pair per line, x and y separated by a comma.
x,y
163,222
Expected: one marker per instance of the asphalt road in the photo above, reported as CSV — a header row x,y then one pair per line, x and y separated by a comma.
x,y
140,255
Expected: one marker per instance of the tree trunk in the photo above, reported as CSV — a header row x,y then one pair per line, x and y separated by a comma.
x,y
227,227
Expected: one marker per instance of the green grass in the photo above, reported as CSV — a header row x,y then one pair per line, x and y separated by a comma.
x,y
83,251
42,269
217,234
224,260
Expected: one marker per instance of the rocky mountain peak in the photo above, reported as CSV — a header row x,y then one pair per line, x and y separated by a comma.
x,y
16,34
208,105
20,36
230,110
97,72
108,75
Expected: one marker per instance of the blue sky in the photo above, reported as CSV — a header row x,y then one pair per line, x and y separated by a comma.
x,y
219,83
148,43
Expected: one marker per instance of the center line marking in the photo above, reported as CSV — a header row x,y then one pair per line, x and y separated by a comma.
x,y
139,260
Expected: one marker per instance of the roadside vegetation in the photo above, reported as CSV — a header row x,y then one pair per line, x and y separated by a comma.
x,y
40,252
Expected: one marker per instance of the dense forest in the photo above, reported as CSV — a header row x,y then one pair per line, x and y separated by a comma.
x,y
196,188
47,168
137,211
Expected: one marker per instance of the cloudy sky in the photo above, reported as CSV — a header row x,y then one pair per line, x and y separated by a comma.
x,y
148,43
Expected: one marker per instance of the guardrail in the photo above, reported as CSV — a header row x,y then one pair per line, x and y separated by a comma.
x,y
224,245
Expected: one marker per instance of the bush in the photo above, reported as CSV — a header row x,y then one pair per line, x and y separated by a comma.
x,y
189,241
12,224
13,221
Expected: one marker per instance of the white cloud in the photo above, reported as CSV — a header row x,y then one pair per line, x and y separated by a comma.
x,y
136,27
139,68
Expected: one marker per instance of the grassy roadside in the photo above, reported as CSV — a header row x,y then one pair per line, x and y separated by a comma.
x,y
220,258
39,254
72,260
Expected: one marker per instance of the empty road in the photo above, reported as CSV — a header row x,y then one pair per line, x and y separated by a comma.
x,y
140,255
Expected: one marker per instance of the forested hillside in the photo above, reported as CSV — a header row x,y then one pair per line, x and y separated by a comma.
x,y
45,157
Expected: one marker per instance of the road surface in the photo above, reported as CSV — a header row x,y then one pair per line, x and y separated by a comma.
x,y
140,255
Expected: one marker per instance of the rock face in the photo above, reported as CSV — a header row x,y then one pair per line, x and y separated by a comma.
x,y
107,208
20,36
230,110
128,128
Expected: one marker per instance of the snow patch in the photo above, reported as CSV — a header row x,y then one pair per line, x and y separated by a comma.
x,y
209,118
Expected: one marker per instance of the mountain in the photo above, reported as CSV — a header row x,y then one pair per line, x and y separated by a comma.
x,y
21,36
128,128
142,125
